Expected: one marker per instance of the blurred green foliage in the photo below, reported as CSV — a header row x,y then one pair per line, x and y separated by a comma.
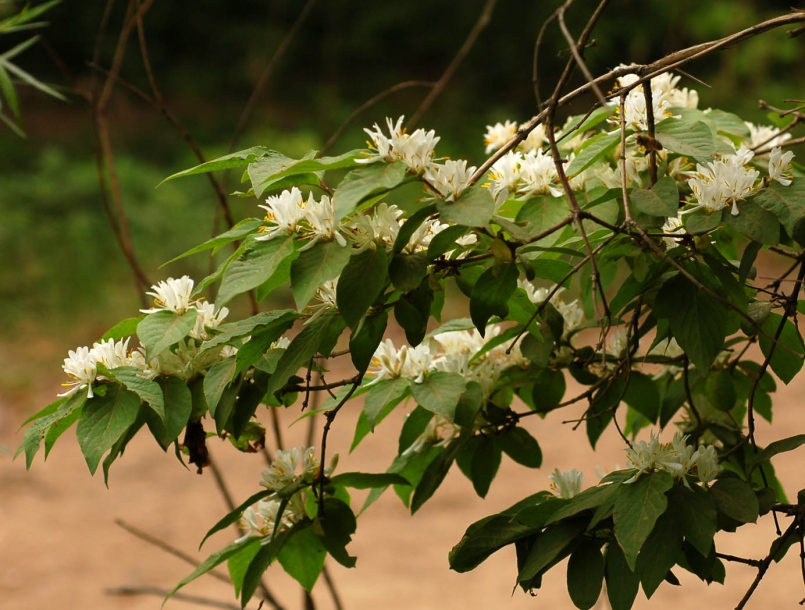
x,y
59,259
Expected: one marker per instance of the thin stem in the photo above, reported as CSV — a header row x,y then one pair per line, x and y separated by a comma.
x,y
183,597
764,565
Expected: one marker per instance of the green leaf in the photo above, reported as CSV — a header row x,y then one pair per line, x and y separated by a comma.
x,y
585,575
701,221
123,329
161,329
238,159
622,581
490,295
50,416
410,226
542,213
698,322
439,393
178,406
149,391
589,499
298,354
735,499
781,446
659,554
216,380
695,512
413,310
104,420
368,480
755,223
302,557
245,227
234,515
688,138
484,466
787,359
661,200
484,538
359,184
262,560
361,282
637,508
787,203
266,172
593,149
364,340
520,446
434,474
407,271
474,208
255,266
315,266
384,392
243,328
337,523
239,563
549,547
642,395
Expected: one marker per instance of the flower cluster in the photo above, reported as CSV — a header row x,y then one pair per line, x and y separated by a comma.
x,y
499,134
81,365
566,484
676,457
452,352
263,519
414,149
571,312
283,468
664,96
176,295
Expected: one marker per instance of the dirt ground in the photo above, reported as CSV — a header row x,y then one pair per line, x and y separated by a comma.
x,y
61,549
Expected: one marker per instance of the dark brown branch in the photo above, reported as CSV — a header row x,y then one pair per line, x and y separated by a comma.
x,y
765,563
183,597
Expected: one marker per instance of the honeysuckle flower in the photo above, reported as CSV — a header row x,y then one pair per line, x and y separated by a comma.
x,y
283,467
262,520
780,166
407,362
439,431
765,136
381,227
619,341
281,343
566,484
321,223
284,212
415,149
572,313
534,140
111,353
677,458
208,317
707,466
504,176
664,95
724,181
172,295
424,234
81,367
672,224
450,179
323,301
538,175
498,134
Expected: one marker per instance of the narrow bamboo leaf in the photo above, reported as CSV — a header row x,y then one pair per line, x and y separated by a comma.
x,y
585,575
688,138
439,392
735,499
10,94
661,200
315,266
104,420
383,393
368,480
787,359
622,581
214,560
216,380
474,208
298,354
161,329
659,554
264,173
595,148
490,295
245,227
302,557
368,180
239,159
637,508
361,282
30,80
698,322
695,512
255,266
549,547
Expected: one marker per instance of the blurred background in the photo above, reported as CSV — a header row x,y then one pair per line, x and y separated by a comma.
x,y
63,279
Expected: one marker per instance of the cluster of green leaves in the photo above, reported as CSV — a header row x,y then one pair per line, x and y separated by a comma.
x,y
696,290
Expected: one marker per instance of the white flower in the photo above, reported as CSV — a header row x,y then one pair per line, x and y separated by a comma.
x,y
439,431
111,353
381,227
534,140
505,174
415,149
764,136
538,175
707,466
207,317
172,295
283,214
281,343
283,467
449,179
672,224
261,521
323,301
321,222
677,457
664,95
572,313
566,484
80,366
498,134
619,341
407,362
724,181
780,166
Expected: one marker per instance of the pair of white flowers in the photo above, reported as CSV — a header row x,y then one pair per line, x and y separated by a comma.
x,y
81,365
176,295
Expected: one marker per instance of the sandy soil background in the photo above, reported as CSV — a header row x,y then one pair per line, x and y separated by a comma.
x,y
60,548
